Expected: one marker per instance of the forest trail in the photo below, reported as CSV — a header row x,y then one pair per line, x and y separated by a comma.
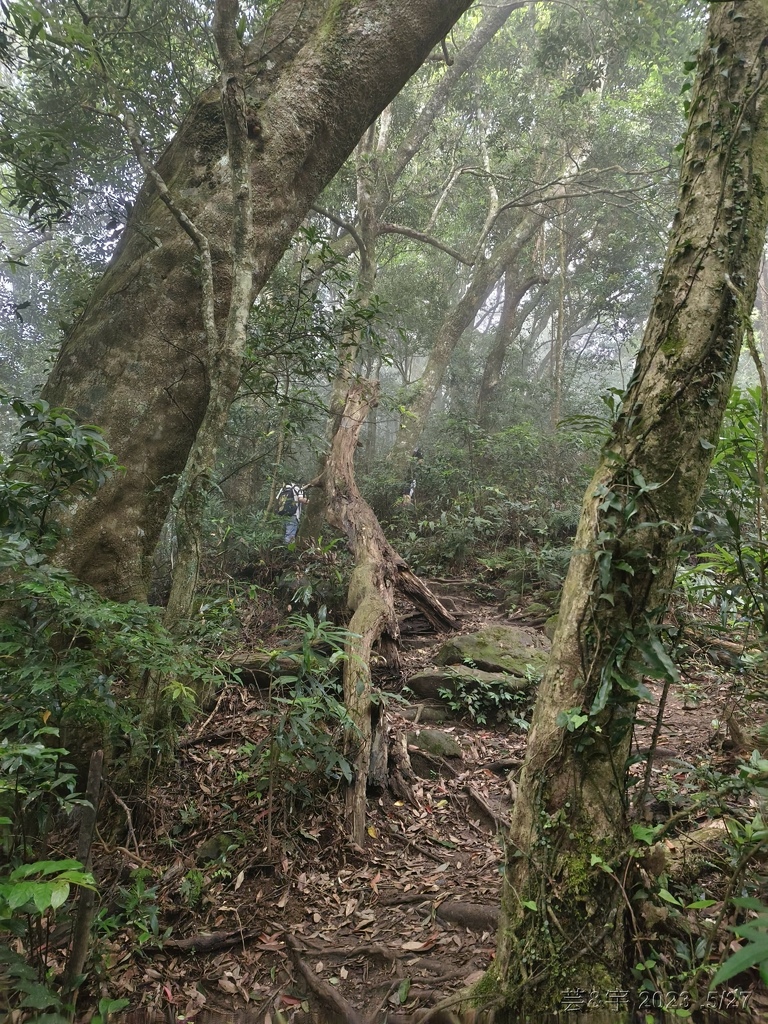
x,y
271,908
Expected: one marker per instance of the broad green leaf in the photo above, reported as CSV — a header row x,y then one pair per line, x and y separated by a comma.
x,y
748,956
59,894
21,893
667,896
42,896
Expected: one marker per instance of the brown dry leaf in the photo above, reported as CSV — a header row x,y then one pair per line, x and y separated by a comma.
x,y
227,985
319,967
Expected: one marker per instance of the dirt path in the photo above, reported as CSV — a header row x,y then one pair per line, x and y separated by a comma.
x,y
271,908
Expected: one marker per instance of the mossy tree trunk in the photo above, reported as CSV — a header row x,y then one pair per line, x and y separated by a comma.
x,y
570,819
225,342
137,361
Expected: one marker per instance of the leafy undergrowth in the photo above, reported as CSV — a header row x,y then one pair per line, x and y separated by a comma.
x,y
229,893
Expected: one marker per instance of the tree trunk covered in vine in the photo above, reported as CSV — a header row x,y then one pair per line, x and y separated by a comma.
x,y
136,361
563,909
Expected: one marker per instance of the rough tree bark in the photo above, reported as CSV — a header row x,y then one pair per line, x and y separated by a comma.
x,y
572,797
136,361
379,572
225,343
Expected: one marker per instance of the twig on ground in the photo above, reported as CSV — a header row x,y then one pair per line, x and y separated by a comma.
x,y
129,819
191,740
419,849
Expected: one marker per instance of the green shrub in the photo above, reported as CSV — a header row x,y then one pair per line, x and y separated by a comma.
x,y
487,701
65,653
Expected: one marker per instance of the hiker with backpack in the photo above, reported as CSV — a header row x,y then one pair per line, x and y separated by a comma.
x,y
290,498
408,490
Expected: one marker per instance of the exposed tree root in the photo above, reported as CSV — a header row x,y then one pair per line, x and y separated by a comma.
x,y
212,942
478,917
379,572
501,821
326,993
429,605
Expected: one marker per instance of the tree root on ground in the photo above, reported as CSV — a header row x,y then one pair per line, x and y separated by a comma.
x,y
501,821
478,917
327,994
212,942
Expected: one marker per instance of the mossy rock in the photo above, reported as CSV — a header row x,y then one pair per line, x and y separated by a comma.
x,y
429,712
550,626
435,742
504,649
213,848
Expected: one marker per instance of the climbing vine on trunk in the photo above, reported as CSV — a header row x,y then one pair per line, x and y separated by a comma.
x,y
564,925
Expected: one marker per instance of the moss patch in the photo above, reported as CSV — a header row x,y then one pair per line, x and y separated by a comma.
x,y
495,649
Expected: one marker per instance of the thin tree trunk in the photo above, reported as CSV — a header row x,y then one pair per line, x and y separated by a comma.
x,y
558,333
86,902
563,909
514,293
453,326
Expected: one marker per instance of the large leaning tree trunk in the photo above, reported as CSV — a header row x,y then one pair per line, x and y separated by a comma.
x,y
378,574
563,926
136,361
225,339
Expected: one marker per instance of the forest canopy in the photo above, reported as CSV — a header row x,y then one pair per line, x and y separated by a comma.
x,y
382,510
